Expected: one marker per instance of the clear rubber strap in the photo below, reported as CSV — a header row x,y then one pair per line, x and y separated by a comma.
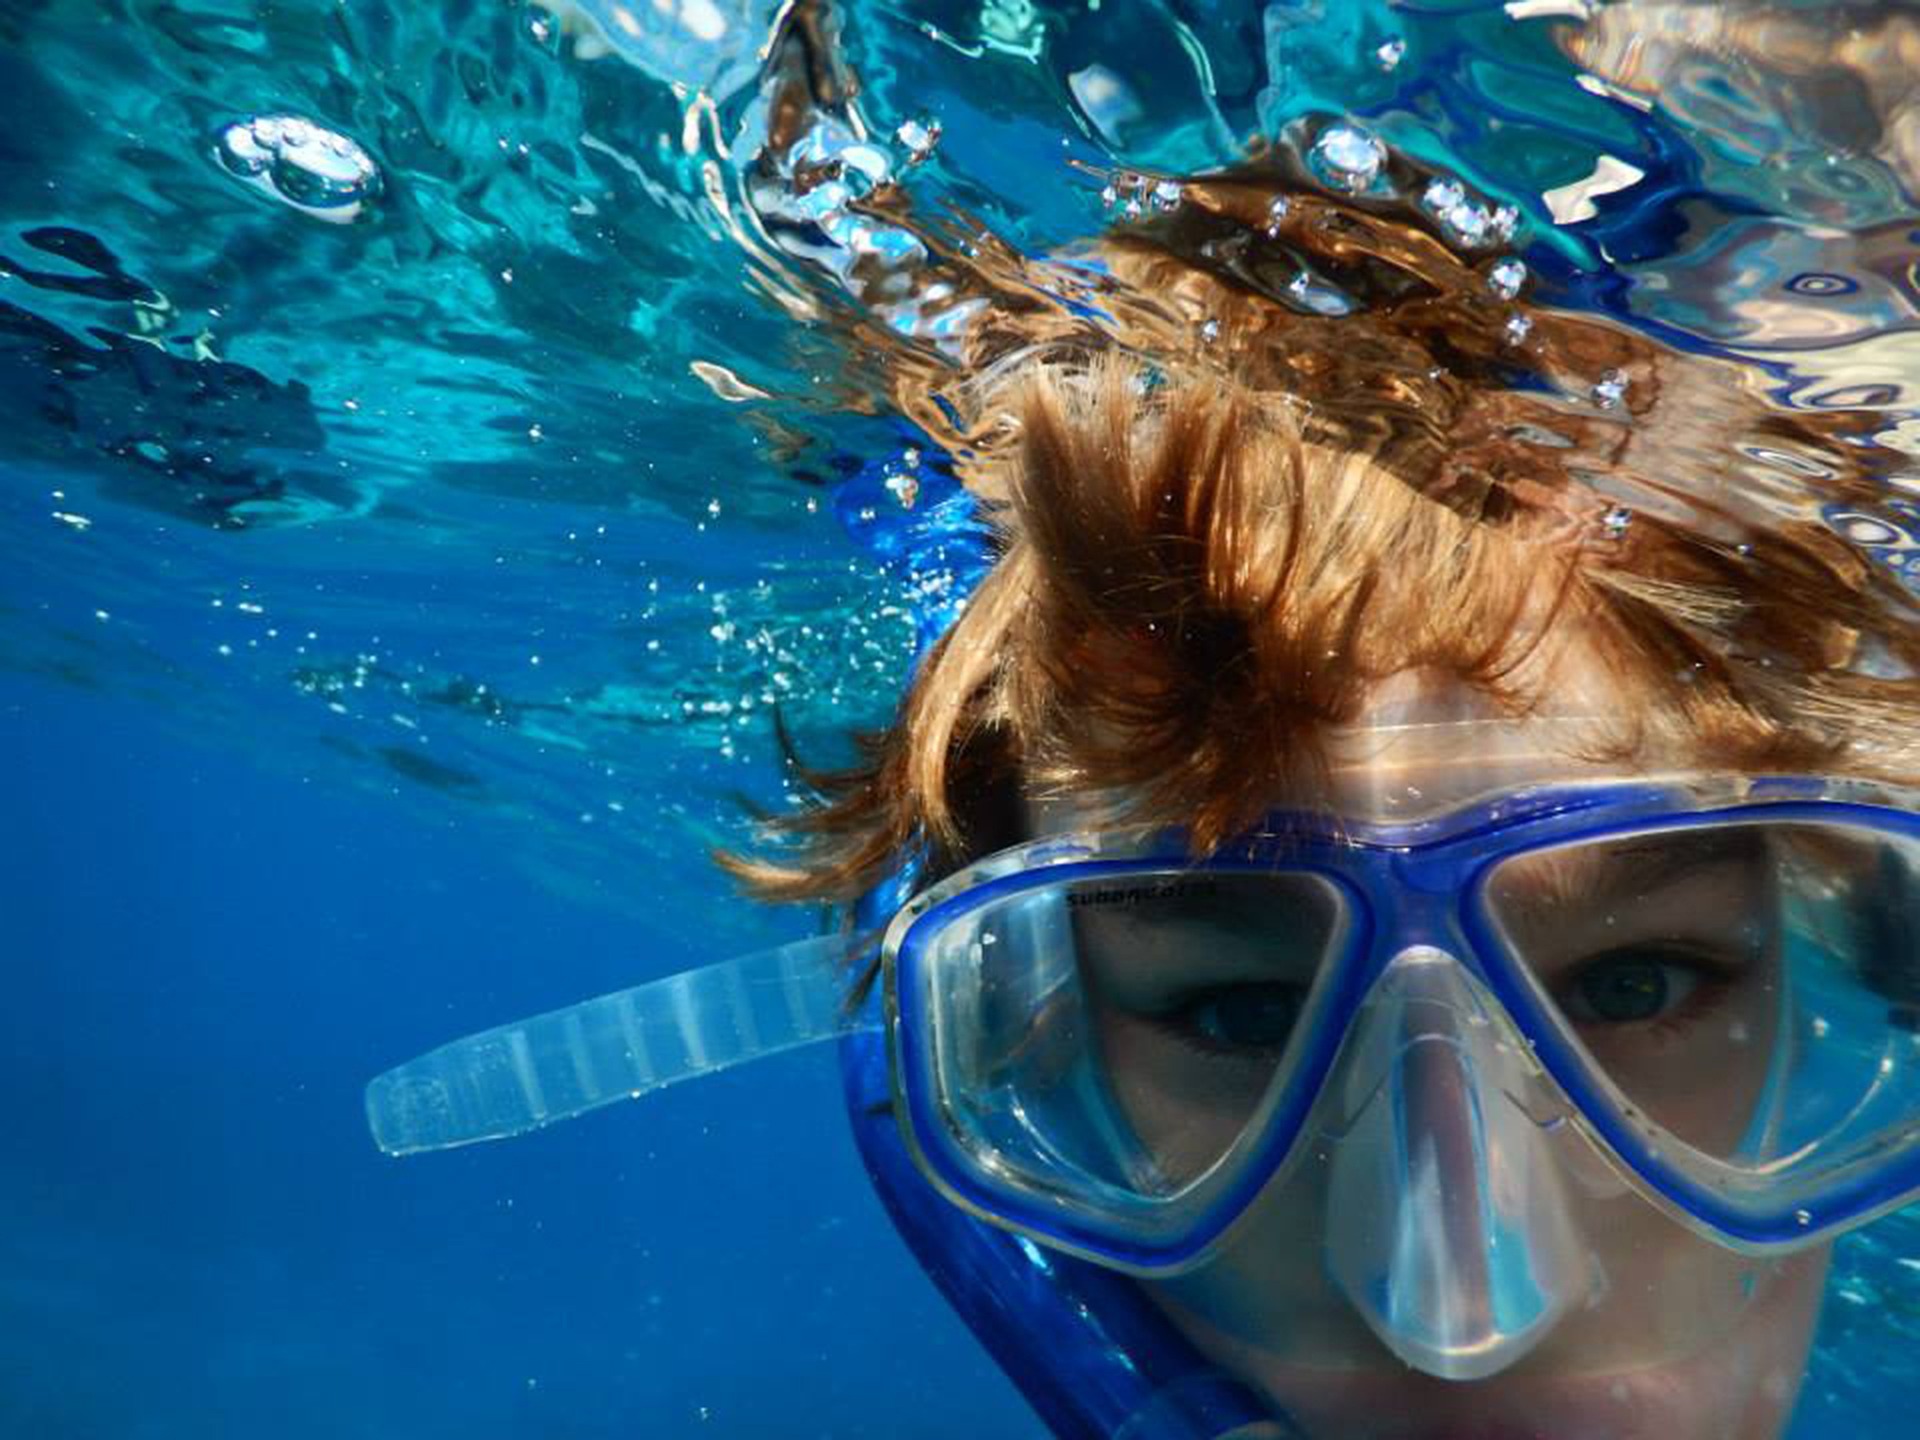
x,y
520,1077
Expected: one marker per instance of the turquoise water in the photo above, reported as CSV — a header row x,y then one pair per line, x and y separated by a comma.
x,y
419,493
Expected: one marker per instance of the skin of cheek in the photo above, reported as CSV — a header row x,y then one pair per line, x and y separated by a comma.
x,y
1683,1341
1184,1127
1700,1076
1704,1082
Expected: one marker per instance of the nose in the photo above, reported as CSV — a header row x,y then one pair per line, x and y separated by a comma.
x,y
1447,1221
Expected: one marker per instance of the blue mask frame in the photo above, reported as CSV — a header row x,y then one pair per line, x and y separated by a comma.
x,y
1411,883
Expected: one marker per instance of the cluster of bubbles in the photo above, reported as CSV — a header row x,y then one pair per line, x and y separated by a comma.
x,y
809,202
1133,194
1348,160
1465,221
1352,161
302,164
903,478
826,172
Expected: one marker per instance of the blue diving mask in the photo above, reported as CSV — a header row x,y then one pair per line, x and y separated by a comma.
x,y
1454,1046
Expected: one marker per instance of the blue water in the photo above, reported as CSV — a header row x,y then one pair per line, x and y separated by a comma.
x,y
207,959
399,572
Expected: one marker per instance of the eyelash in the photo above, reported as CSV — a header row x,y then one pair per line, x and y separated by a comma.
x,y
1713,976
1177,1020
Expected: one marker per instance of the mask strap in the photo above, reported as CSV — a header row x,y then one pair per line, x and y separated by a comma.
x,y
527,1075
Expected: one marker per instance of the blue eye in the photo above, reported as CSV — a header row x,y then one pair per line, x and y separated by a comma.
x,y
1631,986
1242,1017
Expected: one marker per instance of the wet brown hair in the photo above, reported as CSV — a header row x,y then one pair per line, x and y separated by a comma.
x,y
1223,522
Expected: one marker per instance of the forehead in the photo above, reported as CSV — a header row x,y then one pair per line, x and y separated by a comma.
x,y
1699,864
1399,772
1424,744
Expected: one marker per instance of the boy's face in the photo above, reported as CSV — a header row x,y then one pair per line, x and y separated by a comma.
x,y
1669,1336
1264,1313
1659,1332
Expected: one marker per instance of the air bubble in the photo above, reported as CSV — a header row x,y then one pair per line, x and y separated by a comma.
x,y
1617,521
1317,297
1167,195
1610,389
1123,189
919,135
1347,158
904,488
1441,195
316,171
1864,529
1210,330
1276,212
1517,328
1389,55
243,153
1803,1218
1506,277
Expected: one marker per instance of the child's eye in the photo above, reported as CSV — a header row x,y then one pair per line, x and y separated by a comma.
x,y
1629,986
1241,1017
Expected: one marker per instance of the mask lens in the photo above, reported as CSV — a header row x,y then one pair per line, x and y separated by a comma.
x,y
1751,988
1109,1041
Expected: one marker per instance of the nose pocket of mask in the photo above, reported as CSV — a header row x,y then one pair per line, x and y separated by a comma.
x,y
1447,1224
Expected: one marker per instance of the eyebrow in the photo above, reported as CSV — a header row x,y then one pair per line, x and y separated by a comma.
x,y
1655,864
1230,908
